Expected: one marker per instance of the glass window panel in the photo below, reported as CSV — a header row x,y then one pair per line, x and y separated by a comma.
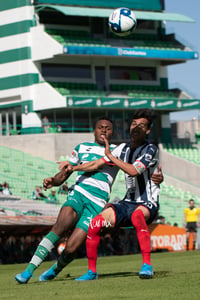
x,y
132,73
67,71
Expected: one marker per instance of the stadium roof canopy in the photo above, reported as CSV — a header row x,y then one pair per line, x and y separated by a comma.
x,y
105,13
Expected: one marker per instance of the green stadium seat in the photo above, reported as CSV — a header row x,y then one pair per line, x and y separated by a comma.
x,y
184,151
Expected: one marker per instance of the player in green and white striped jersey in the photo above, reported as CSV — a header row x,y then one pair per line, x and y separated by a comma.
x,y
96,186
86,200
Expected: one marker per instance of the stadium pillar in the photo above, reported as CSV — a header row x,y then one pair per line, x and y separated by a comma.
x,y
166,129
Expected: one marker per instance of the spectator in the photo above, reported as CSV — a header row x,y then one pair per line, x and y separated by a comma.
x,y
160,220
6,189
63,189
46,124
191,216
38,194
52,197
58,128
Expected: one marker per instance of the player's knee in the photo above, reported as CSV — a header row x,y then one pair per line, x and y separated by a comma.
x,y
96,225
58,229
136,216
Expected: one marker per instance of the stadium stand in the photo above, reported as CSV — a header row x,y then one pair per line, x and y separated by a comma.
x,y
188,152
172,200
23,172
72,37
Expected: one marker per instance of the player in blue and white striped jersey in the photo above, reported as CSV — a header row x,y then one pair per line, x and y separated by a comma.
x,y
139,160
140,189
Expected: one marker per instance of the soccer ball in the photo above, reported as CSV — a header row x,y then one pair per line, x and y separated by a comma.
x,y
122,21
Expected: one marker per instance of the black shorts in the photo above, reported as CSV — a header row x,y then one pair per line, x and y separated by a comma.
x,y
124,209
191,227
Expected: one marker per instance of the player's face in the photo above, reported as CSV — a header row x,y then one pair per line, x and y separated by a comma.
x,y
191,204
103,128
139,129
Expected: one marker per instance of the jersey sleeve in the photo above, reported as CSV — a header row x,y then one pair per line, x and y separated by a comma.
x,y
74,159
148,159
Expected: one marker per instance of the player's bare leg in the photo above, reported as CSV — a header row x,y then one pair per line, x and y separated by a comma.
x,y
73,243
65,221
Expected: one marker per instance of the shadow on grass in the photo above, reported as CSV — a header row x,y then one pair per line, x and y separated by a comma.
x,y
157,275
161,274
107,275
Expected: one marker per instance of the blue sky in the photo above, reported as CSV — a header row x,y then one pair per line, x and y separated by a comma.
x,y
186,75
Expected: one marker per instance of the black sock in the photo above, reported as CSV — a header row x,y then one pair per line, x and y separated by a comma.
x,y
63,260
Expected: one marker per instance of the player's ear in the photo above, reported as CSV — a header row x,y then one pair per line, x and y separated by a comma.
x,y
148,131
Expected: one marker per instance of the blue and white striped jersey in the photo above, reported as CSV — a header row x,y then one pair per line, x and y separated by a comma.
x,y
140,189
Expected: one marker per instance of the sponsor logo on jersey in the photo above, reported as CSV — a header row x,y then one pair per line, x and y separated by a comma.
x,y
74,153
86,223
85,155
88,149
94,157
148,157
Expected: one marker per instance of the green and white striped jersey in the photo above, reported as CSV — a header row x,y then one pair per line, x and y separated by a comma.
x,y
96,185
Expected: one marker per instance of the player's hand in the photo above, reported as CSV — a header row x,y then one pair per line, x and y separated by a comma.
x,y
63,164
48,183
107,146
158,177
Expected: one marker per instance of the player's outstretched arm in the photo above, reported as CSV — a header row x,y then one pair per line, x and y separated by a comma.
x,y
126,167
63,164
90,166
58,179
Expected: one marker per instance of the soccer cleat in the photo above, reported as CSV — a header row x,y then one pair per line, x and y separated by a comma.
x,y
90,275
146,271
48,275
23,277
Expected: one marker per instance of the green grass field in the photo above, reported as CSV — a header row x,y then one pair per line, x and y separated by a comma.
x,y
177,276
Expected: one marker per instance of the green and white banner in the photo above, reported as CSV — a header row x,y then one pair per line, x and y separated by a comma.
x,y
128,103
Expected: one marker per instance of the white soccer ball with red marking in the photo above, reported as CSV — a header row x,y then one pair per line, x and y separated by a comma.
x,y
122,21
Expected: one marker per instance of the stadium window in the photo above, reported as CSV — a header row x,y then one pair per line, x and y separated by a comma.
x,y
81,120
132,73
146,24
66,71
97,26
54,17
